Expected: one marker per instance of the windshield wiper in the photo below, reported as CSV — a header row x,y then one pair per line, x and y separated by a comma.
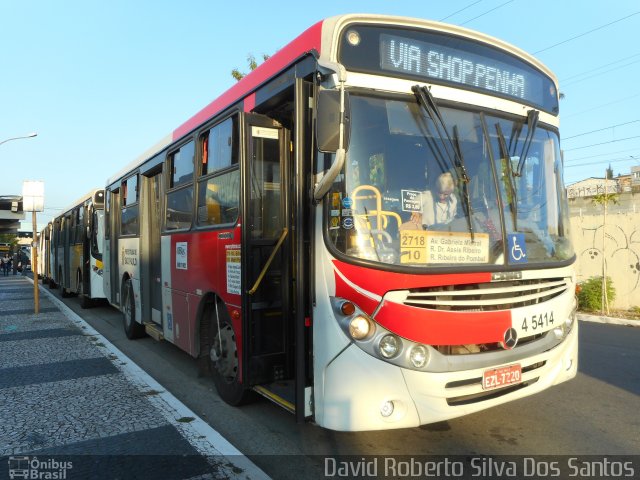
x,y
444,159
428,104
451,147
512,194
532,122
465,183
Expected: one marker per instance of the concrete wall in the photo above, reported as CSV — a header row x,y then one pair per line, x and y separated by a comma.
x,y
620,246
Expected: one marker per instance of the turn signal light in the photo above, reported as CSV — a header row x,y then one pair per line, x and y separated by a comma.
x,y
347,308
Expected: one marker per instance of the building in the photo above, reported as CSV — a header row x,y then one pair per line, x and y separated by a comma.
x,y
635,179
593,186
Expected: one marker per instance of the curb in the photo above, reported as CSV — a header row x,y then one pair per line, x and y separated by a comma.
x,y
610,320
197,432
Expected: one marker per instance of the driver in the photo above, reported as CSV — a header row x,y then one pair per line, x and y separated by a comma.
x,y
439,207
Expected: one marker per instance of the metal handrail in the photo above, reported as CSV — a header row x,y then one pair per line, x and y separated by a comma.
x,y
283,235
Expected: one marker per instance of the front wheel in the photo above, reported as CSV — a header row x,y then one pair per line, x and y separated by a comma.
x,y
223,358
132,328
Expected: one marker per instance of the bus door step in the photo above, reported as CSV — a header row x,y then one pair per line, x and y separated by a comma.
x,y
154,331
280,392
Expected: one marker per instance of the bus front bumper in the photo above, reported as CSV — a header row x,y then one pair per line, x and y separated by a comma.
x,y
364,393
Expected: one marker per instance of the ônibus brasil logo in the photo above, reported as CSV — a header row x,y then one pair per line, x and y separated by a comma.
x,y
34,468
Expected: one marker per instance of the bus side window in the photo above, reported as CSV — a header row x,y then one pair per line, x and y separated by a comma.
x,y
129,217
219,185
179,211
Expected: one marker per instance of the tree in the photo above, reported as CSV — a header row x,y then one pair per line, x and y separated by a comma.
x,y
609,173
604,199
251,62
8,238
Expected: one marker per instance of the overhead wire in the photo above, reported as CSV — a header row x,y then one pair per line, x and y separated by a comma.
x,y
601,162
601,106
487,12
600,129
461,10
602,143
572,82
562,80
586,33
604,155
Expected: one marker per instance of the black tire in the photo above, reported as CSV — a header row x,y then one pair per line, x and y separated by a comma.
x,y
132,328
223,359
63,291
85,301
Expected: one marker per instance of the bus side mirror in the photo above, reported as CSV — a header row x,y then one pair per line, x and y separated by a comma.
x,y
328,120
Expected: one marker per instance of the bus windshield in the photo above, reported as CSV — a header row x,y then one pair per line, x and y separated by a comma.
x,y
420,193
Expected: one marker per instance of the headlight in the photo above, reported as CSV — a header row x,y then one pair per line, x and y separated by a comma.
x,y
419,356
359,327
389,346
559,332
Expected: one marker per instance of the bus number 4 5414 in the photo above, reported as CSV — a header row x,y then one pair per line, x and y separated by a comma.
x,y
537,322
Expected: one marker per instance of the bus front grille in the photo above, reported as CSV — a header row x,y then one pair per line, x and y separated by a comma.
x,y
490,296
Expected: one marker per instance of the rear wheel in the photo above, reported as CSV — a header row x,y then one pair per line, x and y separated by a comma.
x,y
63,291
85,301
132,328
223,358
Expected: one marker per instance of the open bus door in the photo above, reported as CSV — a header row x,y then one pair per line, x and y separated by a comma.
x,y
268,323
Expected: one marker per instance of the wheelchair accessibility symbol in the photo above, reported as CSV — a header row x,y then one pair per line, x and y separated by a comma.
x,y
517,248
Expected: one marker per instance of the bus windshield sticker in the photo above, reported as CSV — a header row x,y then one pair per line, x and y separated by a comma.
x,y
233,269
262,132
432,247
517,248
181,255
411,201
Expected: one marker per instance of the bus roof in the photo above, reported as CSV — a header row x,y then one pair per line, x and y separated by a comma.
x,y
321,40
87,196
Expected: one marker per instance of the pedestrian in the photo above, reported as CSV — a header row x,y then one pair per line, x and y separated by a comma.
x,y
15,263
6,262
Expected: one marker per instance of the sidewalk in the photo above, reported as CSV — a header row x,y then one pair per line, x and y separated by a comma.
x,y
585,317
71,404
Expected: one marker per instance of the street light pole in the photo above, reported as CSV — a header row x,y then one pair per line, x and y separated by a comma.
x,y
29,135
34,264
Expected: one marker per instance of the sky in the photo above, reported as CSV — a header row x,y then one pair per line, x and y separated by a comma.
x,y
101,82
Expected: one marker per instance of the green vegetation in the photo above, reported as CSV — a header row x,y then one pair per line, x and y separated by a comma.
x,y
251,63
590,294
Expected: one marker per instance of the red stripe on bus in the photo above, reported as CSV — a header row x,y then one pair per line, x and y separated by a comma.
x,y
250,102
433,327
309,40
346,291
380,282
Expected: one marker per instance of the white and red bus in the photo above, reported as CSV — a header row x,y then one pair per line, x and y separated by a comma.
x,y
71,246
370,229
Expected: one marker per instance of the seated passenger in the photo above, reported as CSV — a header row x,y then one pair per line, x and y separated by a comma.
x,y
439,210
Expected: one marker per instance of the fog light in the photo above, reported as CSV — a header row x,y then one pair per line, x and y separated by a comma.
x,y
568,323
387,409
419,356
359,327
389,346
558,332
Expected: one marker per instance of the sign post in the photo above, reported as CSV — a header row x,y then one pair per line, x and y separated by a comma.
x,y
33,201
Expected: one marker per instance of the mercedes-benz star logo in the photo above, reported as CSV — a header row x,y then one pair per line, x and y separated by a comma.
x,y
510,338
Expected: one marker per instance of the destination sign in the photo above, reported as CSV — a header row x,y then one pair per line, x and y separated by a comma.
x,y
437,61
450,60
